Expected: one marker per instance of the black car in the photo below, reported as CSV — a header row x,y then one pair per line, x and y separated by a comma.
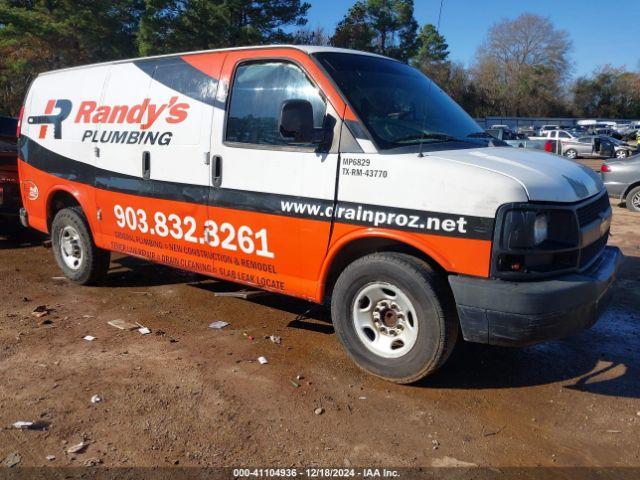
x,y
9,184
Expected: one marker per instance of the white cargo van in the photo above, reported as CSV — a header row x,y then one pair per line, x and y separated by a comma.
x,y
330,175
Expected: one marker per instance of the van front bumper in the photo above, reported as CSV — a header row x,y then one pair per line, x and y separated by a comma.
x,y
498,312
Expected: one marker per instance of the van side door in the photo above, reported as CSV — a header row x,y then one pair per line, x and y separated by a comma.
x,y
272,201
156,173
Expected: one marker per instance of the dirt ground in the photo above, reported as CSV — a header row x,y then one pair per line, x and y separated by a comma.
x,y
189,395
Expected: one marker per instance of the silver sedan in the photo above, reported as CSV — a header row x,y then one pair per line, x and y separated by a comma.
x,y
622,179
596,147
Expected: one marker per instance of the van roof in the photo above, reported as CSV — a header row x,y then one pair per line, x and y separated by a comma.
x,y
309,49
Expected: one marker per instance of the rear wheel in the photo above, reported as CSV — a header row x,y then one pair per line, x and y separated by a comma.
x,y
74,249
571,153
633,200
395,316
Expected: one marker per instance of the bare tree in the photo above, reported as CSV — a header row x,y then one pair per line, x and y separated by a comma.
x,y
523,66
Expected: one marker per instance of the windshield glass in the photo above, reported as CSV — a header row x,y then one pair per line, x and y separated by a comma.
x,y
399,105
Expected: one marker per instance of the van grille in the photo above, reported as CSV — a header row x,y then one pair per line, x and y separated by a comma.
x,y
592,211
590,252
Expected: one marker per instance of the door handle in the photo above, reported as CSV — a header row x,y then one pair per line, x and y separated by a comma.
x,y
146,165
216,170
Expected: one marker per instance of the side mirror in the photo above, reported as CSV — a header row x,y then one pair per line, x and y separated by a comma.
x,y
296,121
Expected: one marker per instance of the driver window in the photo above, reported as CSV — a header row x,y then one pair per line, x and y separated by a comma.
x,y
258,91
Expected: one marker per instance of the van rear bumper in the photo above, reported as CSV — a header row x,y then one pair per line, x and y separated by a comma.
x,y
498,312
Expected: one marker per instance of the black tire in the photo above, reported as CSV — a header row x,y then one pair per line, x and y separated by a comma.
x,y
633,200
93,266
431,299
571,153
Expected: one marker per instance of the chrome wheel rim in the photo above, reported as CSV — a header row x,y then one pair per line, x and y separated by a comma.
x,y
571,154
621,154
635,201
385,320
71,248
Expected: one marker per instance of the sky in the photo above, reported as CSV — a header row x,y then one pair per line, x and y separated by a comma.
x,y
602,32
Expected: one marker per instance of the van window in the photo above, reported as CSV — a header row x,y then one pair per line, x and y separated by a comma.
x,y
259,89
399,105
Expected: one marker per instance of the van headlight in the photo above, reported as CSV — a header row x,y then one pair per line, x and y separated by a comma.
x,y
523,229
540,228
534,240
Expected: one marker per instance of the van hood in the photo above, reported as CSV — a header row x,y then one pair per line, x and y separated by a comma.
x,y
544,176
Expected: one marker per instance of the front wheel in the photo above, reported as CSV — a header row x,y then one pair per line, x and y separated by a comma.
x,y
571,153
622,154
633,200
395,316
74,250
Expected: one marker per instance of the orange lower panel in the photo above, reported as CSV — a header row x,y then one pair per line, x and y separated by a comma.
x,y
273,252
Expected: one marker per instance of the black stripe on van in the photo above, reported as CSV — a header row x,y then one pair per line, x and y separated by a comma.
x,y
261,202
178,75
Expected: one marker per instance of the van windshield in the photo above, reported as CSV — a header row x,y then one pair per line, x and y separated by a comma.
x,y
399,105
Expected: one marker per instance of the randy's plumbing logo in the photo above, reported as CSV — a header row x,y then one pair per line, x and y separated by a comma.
x,y
63,108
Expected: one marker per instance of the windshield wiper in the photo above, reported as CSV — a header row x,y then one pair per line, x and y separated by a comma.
x,y
479,135
426,136
492,141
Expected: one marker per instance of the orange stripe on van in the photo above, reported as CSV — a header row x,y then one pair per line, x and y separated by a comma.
x,y
208,63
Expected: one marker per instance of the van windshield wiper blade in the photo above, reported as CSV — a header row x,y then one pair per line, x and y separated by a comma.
x,y
479,135
426,136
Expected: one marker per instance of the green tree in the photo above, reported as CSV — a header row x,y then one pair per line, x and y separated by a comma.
x,y
387,27
432,53
182,25
41,35
431,46
355,31
610,93
307,36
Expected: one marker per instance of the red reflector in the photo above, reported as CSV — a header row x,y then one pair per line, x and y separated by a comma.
x,y
19,128
605,168
548,147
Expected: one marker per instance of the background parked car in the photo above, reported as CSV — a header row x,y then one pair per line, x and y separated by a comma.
x,y
514,139
622,179
558,134
529,131
595,146
9,184
623,149
545,128
631,133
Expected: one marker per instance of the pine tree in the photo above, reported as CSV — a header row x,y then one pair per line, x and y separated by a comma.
x,y
432,46
182,25
41,35
387,27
